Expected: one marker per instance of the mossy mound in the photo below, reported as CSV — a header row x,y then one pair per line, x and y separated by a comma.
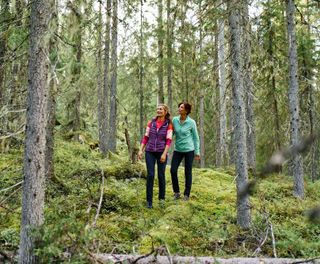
x,y
206,225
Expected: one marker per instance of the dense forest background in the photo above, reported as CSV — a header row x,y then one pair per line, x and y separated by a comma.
x,y
92,72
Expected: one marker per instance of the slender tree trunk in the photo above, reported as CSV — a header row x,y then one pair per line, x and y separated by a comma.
x,y
112,143
294,100
201,90
35,142
160,53
243,209
141,94
272,83
104,100
102,105
52,94
184,77
307,74
222,145
248,87
4,22
169,53
76,68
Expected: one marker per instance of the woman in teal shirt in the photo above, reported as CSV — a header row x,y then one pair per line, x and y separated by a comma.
x,y
186,146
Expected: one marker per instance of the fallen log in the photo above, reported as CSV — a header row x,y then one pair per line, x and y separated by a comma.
x,y
146,259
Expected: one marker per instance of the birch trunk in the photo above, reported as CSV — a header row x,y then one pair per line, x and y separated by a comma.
x,y
243,209
297,169
35,141
112,143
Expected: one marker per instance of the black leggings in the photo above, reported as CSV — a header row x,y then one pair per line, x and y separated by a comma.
x,y
176,160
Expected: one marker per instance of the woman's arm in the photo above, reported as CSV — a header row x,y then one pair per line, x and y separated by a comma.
x,y
144,141
196,141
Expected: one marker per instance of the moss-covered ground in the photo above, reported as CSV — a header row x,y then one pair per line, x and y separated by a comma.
x,y
206,225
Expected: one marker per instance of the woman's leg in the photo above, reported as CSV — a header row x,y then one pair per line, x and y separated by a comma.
x,y
161,177
188,159
176,160
150,161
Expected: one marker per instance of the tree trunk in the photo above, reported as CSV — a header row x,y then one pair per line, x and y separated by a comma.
x,y
222,142
99,80
104,100
160,53
248,88
272,83
201,91
297,169
4,22
169,53
243,209
184,77
112,143
53,49
76,69
141,94
35,142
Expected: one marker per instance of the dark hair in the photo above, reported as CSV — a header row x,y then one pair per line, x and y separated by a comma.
x,y
187,107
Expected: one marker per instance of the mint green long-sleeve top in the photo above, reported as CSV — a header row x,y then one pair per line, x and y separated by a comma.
x,y
186,135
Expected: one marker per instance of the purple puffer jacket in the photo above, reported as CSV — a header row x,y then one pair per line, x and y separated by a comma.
x,y
157,139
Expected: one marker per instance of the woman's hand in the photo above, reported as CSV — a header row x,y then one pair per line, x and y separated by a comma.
x,y
197,157
140,155
163,157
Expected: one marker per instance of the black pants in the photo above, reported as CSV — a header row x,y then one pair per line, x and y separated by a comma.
x,y
176,160
151,159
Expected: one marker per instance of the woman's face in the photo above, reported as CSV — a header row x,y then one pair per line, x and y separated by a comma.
x,y
161,112
182,110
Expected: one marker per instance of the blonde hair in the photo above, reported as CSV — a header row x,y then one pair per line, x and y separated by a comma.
x,y
166,108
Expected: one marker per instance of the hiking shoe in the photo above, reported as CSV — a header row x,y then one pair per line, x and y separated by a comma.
x,y
149,205
176,196
186,198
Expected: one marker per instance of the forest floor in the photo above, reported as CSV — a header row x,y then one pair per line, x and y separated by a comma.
x,y
81,218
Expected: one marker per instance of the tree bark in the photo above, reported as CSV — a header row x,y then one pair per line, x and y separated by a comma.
x,y
160,53
141,94
243,209
112,143
76,68
222,142
201,91
104,100
151,258
35,142
53,50
272,83
297,169
248,87
4,22
169,53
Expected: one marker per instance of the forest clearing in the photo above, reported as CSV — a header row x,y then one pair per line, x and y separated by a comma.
x,y
94,93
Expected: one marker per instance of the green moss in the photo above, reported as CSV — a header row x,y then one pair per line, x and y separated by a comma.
x,y
206,225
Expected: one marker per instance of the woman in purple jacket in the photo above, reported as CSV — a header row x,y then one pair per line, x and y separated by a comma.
x,y
156,142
